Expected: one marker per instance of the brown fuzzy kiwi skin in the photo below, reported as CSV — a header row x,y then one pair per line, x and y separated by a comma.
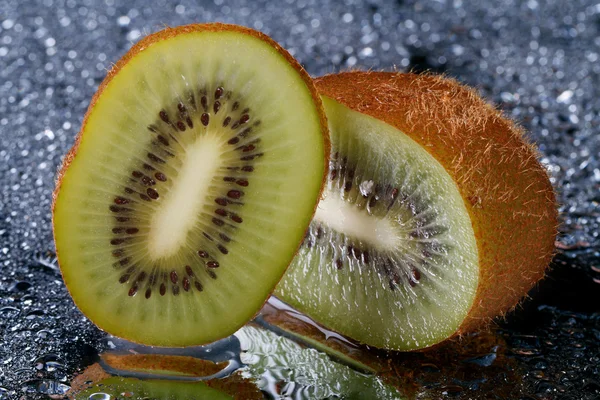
x,y
506,191
170,32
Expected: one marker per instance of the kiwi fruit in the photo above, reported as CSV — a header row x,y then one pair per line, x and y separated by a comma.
x,y
436,216
194,177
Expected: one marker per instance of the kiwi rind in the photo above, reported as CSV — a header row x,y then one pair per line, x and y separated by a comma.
x,y
122,63
506,191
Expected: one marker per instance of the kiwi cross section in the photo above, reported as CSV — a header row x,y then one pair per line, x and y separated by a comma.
x,y
390,258
195,176
221,145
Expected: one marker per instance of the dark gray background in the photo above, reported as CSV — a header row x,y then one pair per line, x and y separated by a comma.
x,y
538,60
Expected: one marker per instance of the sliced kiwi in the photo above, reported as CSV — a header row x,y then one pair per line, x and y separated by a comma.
x,y
195,175
436,215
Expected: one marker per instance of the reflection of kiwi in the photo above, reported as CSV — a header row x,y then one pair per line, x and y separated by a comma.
x,y
286,370
436,217
287,322
136,389
154,375
190,185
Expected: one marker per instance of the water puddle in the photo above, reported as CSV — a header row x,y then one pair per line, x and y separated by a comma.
x,y
283,354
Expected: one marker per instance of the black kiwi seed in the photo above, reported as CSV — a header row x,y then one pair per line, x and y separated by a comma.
x,y
141,277
163,140
222,249
147,181
416,274
160,176
205,119
153,194
218,222
198,286
121,200
203,254
133,290
164,116
204,102
234,194
226,122
212,264
173,276
163,289
339,264
156,159
219,92
189,271
148,293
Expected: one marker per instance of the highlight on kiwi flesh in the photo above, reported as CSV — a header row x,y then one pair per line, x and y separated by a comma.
x,y
436,216
190,186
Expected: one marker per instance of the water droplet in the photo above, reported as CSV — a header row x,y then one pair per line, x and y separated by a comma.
x,y
46,386
565,96
48,362
99,396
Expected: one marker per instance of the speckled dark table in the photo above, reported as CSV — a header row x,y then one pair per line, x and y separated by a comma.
x,y
538,60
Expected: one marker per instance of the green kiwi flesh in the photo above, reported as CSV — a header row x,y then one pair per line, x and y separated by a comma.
x,y
390,258
194,178
135,389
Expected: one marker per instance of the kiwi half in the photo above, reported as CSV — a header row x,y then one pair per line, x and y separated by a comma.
x,y
190,185
436,217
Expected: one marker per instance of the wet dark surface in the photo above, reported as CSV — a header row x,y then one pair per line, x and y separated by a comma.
x,y
538,60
